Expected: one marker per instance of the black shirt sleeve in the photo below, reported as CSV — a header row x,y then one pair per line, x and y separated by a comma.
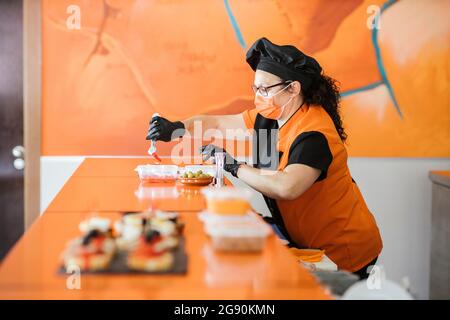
x,y
311,149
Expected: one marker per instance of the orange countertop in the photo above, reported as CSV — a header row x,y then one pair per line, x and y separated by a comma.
x,y
106,186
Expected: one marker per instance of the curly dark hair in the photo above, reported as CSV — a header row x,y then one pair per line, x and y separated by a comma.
x,y
324,91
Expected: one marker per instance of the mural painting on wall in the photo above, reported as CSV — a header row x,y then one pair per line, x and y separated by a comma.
x,y
131,58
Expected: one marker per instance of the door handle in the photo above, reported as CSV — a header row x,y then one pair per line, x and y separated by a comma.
x,y
19,153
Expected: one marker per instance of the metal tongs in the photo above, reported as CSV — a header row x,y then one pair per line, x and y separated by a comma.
x,y
152,149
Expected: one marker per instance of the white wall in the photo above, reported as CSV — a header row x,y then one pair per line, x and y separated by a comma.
x,y
397,191
55,171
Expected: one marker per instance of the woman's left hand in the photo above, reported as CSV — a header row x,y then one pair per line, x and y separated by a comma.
x,y
230,164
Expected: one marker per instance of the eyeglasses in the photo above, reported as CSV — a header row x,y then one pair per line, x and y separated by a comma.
x,y
264,91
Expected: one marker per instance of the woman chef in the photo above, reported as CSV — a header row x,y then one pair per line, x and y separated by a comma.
x,y
312,197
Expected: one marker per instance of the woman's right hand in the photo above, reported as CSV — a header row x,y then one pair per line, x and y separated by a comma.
x,y
165,130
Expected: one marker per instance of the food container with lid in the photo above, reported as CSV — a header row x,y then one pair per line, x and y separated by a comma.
x,y
228,200
157,173
244,235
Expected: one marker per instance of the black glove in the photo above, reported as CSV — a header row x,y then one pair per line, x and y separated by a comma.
x,y
165,130
230,164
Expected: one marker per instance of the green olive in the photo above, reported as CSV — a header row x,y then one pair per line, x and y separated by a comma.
x,y
194,175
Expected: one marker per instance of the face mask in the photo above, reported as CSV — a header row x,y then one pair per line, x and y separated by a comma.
x,y
267,107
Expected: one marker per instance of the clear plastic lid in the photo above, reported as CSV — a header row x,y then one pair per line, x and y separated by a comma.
x,y
155,171
226,193
238,230
247,225
213,218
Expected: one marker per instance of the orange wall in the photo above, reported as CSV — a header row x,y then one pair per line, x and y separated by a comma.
x,y
131,58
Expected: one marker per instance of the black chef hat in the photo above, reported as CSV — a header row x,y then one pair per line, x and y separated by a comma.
x,y
287,62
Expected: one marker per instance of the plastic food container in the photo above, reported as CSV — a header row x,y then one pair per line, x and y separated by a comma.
x,y
238,236
212,218
227,200
157,173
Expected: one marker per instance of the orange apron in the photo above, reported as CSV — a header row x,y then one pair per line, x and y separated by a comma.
x,y
332,214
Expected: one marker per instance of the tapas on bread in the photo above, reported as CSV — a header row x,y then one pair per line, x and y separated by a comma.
x,y
137,242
